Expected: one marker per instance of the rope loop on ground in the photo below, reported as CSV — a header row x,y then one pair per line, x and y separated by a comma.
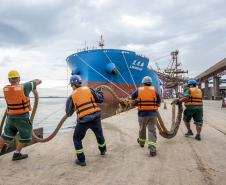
x,y
175,123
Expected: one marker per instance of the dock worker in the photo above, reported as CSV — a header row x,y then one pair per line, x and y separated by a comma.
x,y
84,101
194,108
18,107
148,101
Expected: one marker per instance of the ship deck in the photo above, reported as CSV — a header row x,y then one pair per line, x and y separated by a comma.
x,y
179,161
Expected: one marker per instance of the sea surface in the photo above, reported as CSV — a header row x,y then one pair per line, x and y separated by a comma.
x,y
48,115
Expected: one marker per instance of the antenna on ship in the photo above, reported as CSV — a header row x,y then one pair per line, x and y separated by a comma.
x,y
101,42
86,47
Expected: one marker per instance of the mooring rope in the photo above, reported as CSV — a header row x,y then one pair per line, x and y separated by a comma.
x,y
122,102
2,122
54,133
174,125
129,70
101,75
117,69
124,105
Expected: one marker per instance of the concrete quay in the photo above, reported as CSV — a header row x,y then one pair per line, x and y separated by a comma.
x,y
179,160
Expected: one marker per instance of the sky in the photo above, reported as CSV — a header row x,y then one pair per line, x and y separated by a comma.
x,y
36,36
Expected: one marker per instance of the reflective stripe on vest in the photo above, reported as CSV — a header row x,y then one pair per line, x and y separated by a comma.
x,y
147,99
195,97
17,102
84,102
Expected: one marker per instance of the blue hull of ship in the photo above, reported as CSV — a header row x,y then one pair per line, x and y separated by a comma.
x,y
98,66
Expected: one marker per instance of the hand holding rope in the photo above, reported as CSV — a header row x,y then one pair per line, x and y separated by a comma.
x,y
124,104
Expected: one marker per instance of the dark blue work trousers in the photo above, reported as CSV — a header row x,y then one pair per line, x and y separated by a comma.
x,y
80,132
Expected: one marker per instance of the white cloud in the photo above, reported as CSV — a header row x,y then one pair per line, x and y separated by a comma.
x,y
216,24
99,3
133,47
140,21
36,36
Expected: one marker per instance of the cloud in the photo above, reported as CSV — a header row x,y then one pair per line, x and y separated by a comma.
x,y
137,21
37,36
10,35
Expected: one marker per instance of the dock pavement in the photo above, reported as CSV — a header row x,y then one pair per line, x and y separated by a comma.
x,y
179,161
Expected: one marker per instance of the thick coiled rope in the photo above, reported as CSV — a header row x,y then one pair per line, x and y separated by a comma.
x,y
54,133
124,104
175,123
35,106
2,123
63,119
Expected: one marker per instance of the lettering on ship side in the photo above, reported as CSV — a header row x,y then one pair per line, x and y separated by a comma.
x,y
137,65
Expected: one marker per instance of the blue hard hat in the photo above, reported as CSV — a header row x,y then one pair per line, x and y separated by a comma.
x,y
192,82
76,80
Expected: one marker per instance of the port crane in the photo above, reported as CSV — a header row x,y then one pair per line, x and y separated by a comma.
x,y
173,76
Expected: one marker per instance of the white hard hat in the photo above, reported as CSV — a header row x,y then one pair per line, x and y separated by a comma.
x,y
147,80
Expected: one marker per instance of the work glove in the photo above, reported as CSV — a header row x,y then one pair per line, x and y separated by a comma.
x,y
133,103
99,91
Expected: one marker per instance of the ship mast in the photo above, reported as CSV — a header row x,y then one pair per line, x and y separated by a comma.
x,y
101,42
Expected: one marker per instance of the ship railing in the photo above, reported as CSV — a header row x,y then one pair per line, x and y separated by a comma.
x,y
87,49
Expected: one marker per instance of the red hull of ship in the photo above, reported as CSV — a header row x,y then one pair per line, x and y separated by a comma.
x,y
110,103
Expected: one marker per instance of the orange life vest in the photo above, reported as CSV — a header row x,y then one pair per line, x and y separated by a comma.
x,y
146,99
195,97
17,102
84,102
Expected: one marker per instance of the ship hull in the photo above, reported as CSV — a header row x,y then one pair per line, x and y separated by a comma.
x,y
121,70
111,104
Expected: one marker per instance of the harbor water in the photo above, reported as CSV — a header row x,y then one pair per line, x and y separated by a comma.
x,y
51,110
48,115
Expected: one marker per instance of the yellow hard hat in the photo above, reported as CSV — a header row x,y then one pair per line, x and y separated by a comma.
x,y
13,74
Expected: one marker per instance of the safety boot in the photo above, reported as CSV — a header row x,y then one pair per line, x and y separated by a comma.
x,y
140,143
103,150
4,149
80,163
19,156
152,151
189,133
198,137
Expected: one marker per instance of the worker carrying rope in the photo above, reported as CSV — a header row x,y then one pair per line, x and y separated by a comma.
x,y
84,101
147,101
124,104
18,108
194,108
